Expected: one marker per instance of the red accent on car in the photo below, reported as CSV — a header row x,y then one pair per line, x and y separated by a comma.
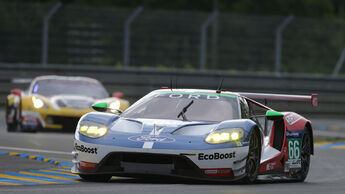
x,y
87,165
164,87
314,99
272,164
118,94
17,92
218,172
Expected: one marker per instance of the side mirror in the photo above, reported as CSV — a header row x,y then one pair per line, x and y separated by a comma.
x,y
274,115
100,107
17,92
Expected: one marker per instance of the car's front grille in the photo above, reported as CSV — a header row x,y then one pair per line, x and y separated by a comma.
x,y
147,158
177,164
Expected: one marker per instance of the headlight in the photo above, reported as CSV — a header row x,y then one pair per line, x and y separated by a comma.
x,y
114,106
38,103
225,135
92,129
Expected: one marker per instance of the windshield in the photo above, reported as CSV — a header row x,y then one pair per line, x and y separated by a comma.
x,y
172,105
51,87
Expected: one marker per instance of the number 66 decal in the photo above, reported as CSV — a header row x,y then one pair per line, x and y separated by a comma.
x,y
294,147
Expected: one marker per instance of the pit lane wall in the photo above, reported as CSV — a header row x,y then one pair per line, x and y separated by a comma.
x,y
135,83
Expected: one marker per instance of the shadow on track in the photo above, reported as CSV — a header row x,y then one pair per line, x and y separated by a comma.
x,y
173,180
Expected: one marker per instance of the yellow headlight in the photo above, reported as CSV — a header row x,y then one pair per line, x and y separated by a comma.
x,y
102,131
38,103
225,135
235,136
92,130
83,128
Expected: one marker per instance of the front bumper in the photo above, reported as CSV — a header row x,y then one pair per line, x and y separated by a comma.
x,y
51,119
219,164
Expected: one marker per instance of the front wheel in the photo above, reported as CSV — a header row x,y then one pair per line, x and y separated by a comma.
x,y
253,159
95,177
13,125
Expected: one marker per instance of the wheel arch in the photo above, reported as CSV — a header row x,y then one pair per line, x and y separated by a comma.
x,y
256,128
252,167
310,130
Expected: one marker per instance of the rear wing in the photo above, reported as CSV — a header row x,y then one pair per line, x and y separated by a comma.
x,y
287,97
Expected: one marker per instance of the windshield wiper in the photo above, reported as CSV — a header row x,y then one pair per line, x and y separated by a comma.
x,y
184,110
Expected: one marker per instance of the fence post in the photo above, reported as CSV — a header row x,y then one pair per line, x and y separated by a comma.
x,y
339,64
278,45
45,32
127,33
214,41
203,39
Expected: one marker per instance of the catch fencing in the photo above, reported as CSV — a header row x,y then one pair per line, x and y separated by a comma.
x,y
49,33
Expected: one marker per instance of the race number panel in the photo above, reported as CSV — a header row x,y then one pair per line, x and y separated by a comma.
x,y
294,141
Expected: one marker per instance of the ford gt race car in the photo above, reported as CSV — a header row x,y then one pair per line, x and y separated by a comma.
x,y
198,134
56,102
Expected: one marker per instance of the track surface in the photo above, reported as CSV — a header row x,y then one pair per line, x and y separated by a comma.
x,y
327,173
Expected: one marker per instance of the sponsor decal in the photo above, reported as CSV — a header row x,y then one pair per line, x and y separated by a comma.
x,y
152,138
292,118
188,96
292,164
294,141
193,95
85,149
294,133
216,156
270,166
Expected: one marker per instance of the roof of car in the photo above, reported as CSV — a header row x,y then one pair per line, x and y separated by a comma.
x,y
199,91
58,77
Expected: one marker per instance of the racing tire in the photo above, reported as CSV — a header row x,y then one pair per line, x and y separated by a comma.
x,y
19,124
95,177
301,175
11,126
253,158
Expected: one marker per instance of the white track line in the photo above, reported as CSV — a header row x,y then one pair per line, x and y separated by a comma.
x,y
36,150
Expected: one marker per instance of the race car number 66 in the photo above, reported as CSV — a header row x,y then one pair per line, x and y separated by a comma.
x,y
294,146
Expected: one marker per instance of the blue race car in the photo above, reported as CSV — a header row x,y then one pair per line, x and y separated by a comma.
x,y
193,133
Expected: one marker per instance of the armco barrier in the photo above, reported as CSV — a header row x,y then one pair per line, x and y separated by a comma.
x,y
135,83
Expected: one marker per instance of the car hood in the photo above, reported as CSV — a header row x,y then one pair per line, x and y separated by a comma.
x,y
160,133
163,126
71,101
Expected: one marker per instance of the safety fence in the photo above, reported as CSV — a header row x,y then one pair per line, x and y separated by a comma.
x,y
51,33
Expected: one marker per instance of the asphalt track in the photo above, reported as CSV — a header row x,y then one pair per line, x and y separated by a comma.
x,y
39,163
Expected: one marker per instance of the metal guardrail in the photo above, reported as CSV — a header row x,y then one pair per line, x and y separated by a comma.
x,y
135,83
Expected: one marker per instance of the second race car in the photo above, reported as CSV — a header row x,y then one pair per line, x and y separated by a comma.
x,y
56,102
